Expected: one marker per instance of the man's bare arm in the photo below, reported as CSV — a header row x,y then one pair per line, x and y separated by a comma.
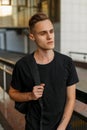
x,y
18,96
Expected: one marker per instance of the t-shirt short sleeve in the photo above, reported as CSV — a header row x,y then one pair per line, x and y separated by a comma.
x,y
16,81
72,74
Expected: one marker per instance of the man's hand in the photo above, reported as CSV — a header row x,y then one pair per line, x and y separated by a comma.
x,y
37,91
60,128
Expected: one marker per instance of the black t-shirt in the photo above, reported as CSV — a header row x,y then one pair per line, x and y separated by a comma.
x,y
57,75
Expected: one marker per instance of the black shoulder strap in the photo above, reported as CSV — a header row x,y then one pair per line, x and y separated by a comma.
x,y
22,106
36,77
34,70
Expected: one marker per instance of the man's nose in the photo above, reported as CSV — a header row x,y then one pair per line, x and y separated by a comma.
x,y
48,36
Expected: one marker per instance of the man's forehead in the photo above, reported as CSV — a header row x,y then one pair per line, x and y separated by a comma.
x,y
43,26
44,30
44,23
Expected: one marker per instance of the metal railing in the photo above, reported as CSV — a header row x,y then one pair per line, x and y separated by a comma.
x,y
78,55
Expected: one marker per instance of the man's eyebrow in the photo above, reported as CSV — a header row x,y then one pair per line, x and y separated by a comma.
x,y
42,31
45,31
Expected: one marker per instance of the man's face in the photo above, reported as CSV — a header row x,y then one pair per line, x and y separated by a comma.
x,y
43,35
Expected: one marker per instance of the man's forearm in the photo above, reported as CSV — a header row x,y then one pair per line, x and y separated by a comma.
x,y
18,96
22,96
66,115
69,106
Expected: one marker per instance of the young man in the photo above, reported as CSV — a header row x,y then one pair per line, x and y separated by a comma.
x,y
58,81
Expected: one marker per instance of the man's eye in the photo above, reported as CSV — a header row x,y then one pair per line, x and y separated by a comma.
x,y
42,33
51,31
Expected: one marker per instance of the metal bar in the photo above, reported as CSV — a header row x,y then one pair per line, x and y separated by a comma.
x,y
80,53
4,81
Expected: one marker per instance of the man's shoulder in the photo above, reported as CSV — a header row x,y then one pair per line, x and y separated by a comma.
x,y
62,56
63,59
24,60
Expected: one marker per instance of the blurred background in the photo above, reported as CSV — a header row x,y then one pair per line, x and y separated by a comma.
x,y
70,24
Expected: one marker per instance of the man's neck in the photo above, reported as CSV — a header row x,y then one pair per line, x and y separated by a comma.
x,y
44,57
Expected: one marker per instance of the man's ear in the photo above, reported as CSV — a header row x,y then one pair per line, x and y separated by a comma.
x,y
31,36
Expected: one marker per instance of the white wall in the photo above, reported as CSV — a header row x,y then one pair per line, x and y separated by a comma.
x,y
73,26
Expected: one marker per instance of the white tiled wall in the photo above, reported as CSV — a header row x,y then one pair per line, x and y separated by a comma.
x,y
73,26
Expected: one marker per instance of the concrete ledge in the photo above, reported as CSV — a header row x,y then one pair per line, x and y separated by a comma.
x,y
81,64
15,120
81,109
4,122
10,117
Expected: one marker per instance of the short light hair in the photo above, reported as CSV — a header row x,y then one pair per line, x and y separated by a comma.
x,y
37,18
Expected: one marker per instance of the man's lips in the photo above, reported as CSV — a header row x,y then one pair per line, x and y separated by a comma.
x,y
50,42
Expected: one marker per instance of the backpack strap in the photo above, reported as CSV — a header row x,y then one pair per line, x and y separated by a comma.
x,y
36,77
34,70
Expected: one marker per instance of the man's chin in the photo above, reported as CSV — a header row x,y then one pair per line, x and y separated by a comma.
x,y
51,48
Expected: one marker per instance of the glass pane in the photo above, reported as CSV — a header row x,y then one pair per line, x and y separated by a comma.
x,y
5,2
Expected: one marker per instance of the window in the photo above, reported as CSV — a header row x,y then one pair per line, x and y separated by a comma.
x,y
5,2
22,2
